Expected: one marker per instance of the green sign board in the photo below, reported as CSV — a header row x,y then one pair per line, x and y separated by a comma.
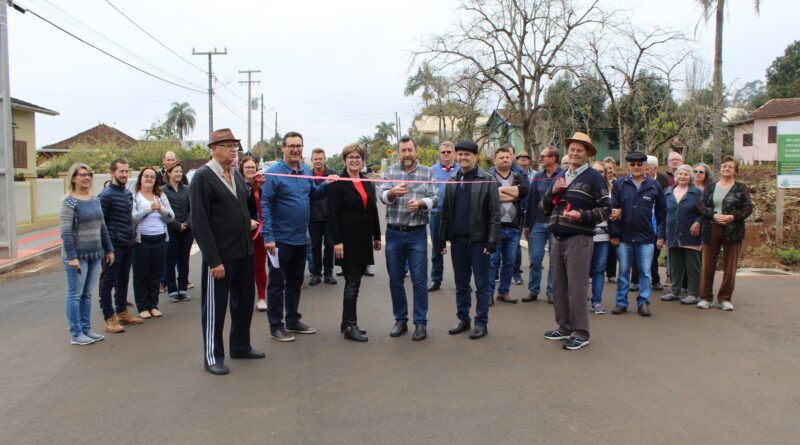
x,y
788,154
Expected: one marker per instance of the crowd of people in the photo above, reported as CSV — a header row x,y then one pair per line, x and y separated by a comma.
x,y
257,230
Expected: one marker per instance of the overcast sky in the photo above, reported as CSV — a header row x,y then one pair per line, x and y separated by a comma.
x,y
331,70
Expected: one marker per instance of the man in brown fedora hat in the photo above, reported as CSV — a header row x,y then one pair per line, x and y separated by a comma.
x,y
221,222
576,203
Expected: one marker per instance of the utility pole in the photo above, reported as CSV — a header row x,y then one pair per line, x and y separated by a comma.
x,y
8,208
276,134
249,83
210,84
262,117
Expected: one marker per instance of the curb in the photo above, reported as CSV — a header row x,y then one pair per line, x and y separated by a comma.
x,y
19,262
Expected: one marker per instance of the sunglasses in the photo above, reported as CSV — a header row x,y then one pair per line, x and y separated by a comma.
x,y
636,164
699,172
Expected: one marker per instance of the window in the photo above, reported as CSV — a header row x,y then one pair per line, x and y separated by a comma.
x,y
747,140
20,154
772,135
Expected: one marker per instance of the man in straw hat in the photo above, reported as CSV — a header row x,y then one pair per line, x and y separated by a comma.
x,y
221,224
577,202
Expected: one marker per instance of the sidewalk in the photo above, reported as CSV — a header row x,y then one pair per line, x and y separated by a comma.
x,y
33,246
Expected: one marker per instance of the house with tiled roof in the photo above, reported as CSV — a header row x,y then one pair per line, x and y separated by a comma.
x,y
101,134
755,138
23,124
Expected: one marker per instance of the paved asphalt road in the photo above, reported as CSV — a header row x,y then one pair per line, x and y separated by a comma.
x,y
683,376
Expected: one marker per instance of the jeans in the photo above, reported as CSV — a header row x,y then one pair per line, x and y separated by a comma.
x,y
321,262
408,247
518,263
437,259
537,240
309,255
115,278
178,250
627,253
148,263
79,294
598,268
283,287
469,261
503,259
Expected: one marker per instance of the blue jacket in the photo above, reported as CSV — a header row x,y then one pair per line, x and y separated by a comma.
x,y
638,207
679,218
286,204
540,185
442,175
117,204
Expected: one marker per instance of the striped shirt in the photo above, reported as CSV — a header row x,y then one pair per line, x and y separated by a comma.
x,y
397,213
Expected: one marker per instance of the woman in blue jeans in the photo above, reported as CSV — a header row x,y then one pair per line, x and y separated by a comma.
x,y
85,244
599,254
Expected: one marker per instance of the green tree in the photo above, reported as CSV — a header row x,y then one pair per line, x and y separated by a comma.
x,y
159,131
718,7
783,76
385,131
181,117
335,162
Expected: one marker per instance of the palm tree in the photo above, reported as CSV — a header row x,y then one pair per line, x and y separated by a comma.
x,y
181,118
385,130
366,141
718,6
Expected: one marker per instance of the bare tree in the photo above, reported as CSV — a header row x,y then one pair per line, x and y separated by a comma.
x,y
623,58
515,45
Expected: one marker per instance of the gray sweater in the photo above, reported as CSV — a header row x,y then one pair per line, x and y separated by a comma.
x,y
83,229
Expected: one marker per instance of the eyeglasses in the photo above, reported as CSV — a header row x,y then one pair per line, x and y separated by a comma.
x,y
294,146
699,172
636,164
446,152
148,176
228,146
353,158
83,175
249,167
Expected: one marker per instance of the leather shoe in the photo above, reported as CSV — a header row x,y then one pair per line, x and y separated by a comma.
x,y
420,333
399,328
330,280
505,298
251,354
315,279
644,310
549,299
461,326
479,331
434,287
529,298
217,369
619,310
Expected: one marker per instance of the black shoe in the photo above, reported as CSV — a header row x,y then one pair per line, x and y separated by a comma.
x,y
658,286
633,288
644,310
549,299
530,297
517,280
619,310
301,328
479,331
555,334
434,287
251,354
330,280
399,328
461,326
217,369
343,327
353,333
420,332
281,335
575,343
315,279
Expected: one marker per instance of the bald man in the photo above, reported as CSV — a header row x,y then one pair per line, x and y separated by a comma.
x,y
169,160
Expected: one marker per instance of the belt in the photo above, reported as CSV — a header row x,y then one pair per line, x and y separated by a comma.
x,y
509,226
404,228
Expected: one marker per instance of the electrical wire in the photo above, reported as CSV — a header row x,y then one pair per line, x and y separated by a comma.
x,y
109,54
230,109
154,38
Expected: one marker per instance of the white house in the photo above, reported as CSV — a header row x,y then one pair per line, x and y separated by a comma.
x,y
755,139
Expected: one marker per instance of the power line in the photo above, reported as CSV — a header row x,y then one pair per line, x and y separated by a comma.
x,y
109,54
244,119
154,38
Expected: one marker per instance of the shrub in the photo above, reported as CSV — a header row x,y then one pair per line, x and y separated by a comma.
x,y
789,256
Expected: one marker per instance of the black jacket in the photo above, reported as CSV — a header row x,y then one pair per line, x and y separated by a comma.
x,y
220,221
521,181
117,203
179,201
351,224
318,206
484,218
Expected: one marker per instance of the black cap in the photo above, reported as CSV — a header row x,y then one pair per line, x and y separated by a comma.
x,y
636,156
467,146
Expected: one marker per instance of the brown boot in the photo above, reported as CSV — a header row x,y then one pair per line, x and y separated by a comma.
x,y
113,326
125,317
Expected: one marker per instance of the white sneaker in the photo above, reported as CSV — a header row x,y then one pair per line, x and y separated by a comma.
x,y
726,306
261,305
703,304
81,340
94,335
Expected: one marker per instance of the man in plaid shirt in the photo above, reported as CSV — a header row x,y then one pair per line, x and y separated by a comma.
x,y
407,207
